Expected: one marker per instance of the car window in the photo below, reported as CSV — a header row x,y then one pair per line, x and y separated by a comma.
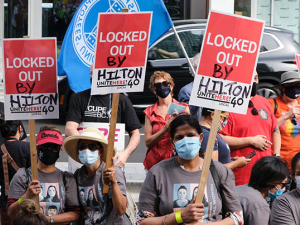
x,y
268,43
169,47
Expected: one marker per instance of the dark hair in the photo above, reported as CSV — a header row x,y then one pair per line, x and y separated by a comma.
x,y
89,202
52,207
295,159
182,187
268,172
9,128
55,198
194,192
206,112
50,127
182,120
30,214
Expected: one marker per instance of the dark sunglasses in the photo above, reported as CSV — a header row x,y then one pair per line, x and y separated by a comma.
x,y
159,84
53,147
254,110
93,147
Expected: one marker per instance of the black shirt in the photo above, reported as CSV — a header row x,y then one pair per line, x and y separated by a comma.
x,y
20,152
96,108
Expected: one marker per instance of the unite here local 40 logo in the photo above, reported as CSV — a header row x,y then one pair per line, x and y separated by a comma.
x,y
85,24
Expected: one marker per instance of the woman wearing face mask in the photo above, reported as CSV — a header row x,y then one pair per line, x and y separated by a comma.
x,y
157,119
286,208
61,185
19,151
90,148
160,189
221,151
268,179
287,110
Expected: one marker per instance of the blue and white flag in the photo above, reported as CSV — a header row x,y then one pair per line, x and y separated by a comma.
x,y
77,52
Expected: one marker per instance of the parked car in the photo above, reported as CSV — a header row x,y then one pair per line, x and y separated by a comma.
x,y
277,55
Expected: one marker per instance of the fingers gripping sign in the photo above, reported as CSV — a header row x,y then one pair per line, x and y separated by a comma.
x,y
109,174
33,190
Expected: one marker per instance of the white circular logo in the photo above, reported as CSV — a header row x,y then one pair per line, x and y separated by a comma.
x,y
85,24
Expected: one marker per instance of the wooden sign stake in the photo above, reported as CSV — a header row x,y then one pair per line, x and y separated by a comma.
x,y
112,129
208,155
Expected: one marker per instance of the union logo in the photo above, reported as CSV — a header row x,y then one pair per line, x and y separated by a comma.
x,y
85,24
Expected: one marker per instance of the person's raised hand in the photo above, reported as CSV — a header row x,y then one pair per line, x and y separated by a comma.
x,y
109,174
241,162
33,189
294,111
121,158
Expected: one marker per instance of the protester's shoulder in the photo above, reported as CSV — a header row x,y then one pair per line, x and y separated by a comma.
x,y
248,195
223,171
167,163
84,93
288,197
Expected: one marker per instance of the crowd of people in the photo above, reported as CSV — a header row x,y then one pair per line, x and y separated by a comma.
x,y
254,177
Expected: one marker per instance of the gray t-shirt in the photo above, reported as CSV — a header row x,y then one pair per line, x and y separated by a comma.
x,y
168,186
255,208
98,207
54,197
286,209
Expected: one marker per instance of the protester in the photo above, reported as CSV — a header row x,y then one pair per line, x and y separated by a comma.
x,y
268,178
287,110
286,208
160,189
30,214
157,119
185,92
221,151
96,108
90,149
49,146
257,130
14,154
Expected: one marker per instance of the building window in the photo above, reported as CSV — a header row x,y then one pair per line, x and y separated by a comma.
x,y
242,7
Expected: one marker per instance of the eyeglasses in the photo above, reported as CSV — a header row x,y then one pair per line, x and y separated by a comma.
x,y
53,147
92,146
164,83
294,120
254,110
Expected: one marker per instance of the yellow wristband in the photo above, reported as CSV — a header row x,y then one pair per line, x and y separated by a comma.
x,y
178,217
20,200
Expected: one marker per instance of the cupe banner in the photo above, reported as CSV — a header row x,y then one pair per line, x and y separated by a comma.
x,y
30,78
227,62
121,52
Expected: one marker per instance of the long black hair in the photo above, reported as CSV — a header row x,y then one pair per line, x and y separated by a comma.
x,y
182,120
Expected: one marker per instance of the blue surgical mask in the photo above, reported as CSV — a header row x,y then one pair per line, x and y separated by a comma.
x,y
188,147
88,157
278,192
298,181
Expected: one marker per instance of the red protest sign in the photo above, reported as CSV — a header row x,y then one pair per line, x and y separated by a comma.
x,y
121,52
30,78
228,60
122,44
30,66
297,56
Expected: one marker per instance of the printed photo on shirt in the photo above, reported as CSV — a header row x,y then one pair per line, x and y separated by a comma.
x,y
181,195
52,209
52,192
82,192
42,195
88,216
42,209
91,198
96,217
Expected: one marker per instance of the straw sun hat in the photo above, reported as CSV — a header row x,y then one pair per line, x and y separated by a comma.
x,y
91,134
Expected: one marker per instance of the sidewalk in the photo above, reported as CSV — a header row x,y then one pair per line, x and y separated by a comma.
x,y
135,175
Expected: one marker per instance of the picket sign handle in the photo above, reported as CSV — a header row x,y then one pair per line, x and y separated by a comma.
x,y
33,152
208,156
33,155
112,130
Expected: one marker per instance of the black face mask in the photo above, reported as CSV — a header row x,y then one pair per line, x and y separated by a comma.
x,y
48,157
163,91
292,92
254,89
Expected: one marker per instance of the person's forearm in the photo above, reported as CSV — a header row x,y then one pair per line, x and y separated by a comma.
x,y
134,141
226,221
236,142
118,199
71,128
64,218
170,220
282,119
13,209
276,139
155,138
231,165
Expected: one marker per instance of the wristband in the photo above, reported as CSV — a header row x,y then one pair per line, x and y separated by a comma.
x,y
165,219
178,217
20,200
